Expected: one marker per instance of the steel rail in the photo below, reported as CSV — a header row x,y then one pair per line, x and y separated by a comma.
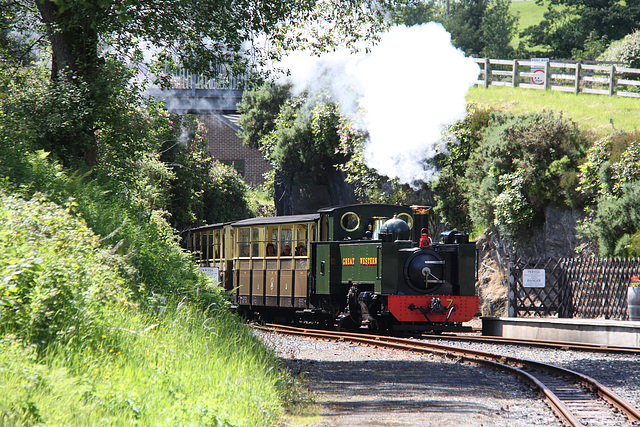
x,y
508,363
562,345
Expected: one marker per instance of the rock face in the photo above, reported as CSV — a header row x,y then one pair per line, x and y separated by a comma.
x,y
293,198
556,238
558,234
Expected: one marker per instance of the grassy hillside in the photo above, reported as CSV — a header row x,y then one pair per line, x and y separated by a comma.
x,y
530,14
594,113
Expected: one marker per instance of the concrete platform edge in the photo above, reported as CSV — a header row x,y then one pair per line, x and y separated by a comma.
x,y
589,331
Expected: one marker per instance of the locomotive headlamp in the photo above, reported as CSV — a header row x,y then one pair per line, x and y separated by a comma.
x,y
425,240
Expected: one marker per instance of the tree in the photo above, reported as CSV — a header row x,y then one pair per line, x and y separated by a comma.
x,y
498,28
416,12
300,137
568,24
478,27
465,25
259,109
86,37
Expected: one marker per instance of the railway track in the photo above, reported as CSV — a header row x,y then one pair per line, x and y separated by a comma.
x,y
560,345
577,399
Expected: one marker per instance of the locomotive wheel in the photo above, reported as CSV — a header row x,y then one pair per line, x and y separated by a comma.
x,y
346,323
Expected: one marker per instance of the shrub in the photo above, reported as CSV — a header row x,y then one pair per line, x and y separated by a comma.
x,y
610,184
617,220
513,212
625,50
532,156
55,277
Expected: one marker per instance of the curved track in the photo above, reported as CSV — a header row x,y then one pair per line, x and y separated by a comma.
x,y
576,398
560,345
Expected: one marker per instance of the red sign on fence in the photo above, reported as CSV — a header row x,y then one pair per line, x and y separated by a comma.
x,y
538,69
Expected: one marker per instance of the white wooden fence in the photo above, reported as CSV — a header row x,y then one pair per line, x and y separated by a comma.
x,y
224,79
576,77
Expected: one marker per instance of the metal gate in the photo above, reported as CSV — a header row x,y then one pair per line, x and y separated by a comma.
x,y
574,287
550,300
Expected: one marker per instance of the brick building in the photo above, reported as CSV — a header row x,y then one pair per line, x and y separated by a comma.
x,y
225,145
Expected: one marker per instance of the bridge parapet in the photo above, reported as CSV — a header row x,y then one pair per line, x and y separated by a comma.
x,y
198,94
224,79
198,101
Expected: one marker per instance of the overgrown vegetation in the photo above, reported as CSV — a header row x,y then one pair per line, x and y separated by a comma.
x,y
105,319
601,181
180,366
609,181
506,169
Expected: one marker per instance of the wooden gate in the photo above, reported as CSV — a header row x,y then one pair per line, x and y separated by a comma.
x,y
574,287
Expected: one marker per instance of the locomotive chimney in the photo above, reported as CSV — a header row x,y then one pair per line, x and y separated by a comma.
x,y
420,220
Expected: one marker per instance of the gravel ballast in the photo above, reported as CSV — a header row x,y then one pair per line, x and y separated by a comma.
x,y
365,386
618,371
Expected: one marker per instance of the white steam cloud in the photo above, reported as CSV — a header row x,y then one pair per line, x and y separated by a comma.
x,y
409,86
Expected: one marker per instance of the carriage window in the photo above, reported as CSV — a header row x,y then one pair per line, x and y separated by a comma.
x,y
286,237
198,248
210,245
271,241
255,242
350,221
243,242
301,240
217,243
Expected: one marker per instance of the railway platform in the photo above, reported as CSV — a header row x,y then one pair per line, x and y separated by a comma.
x,y
589,331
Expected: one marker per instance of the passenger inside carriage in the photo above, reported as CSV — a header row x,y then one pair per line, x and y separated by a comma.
x,y
301,249
271,249
286,251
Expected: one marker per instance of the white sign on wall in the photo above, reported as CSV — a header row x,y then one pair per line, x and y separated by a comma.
x,y
538,69
533,278
212,272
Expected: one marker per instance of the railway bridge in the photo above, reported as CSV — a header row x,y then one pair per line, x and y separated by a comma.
x,y
214,101
196,94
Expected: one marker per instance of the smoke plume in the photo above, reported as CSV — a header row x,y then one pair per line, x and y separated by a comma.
x,y
407,89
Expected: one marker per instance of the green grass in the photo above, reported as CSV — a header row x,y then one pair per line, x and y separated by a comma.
x,y
530,14
180,368
597,114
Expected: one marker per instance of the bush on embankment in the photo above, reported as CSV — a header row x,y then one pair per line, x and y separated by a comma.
x,y
104,320
79,348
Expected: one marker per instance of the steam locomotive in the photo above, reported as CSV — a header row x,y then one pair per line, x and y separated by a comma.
x,y
369,265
